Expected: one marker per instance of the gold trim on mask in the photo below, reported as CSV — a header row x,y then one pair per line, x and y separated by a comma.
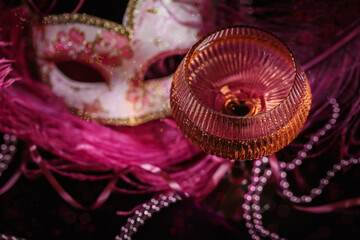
x,y
96,21
89,20
133,121
125,31
130,10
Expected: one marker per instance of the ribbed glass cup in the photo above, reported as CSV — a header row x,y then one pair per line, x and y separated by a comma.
x,y
240,94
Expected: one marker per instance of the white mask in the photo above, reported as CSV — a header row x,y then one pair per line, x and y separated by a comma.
x,y
151,29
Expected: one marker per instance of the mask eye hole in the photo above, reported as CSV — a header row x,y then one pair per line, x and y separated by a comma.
x,y
163,67
80,72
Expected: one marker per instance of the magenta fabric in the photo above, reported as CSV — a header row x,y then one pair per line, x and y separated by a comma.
x,y
32,112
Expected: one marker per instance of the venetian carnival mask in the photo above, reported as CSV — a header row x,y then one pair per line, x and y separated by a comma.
x,y
116,58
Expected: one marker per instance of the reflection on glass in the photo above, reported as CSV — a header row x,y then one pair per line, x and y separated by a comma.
x,y
240,94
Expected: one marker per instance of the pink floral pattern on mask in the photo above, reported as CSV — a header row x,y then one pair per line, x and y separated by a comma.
x,y
144,95
121,54
137,95
107,48
94,107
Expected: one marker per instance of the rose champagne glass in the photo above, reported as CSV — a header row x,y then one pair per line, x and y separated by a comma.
x,y
240,94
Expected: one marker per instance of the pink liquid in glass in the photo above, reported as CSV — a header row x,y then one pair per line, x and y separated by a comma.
x,y
240,94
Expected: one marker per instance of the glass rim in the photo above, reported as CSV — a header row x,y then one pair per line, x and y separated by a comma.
x,y
191,51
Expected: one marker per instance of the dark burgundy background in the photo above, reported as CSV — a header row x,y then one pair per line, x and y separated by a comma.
x,y
32,209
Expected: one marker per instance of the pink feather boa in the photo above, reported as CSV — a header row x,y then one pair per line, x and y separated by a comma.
x,y
149,157
32,112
